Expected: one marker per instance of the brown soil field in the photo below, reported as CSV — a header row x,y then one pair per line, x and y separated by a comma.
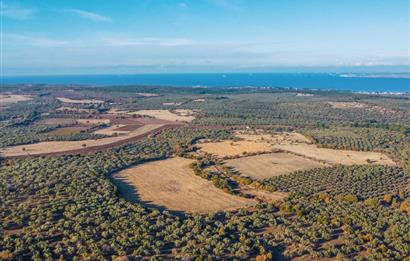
x,y
347,105
172,184
67,131
7,99
331,156
79,101
72,147
265,166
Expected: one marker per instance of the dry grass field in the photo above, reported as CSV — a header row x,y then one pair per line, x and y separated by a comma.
x,y
112,130
7,99
82,101
233,148
147,94
347,105
180,115
265,166
332,156
64,146
251,143
171,183
171,103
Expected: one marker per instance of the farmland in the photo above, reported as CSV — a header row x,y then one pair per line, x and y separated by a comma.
x,y
273,164
171,183
222,173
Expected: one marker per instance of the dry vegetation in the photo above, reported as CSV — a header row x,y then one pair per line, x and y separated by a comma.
x,y
82,101
332,156
273,164
347,105
6,99
251,143
171,183
112,130
232,148
179,115
147,94
65,146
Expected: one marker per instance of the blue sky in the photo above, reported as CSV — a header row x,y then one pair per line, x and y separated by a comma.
x,y
138,36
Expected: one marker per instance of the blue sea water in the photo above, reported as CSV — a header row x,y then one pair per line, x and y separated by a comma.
x,y
287,80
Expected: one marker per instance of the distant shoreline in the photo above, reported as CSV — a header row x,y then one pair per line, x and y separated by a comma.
x,y
354,82
390,75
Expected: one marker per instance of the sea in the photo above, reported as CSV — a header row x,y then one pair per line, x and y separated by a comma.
x,y
317,81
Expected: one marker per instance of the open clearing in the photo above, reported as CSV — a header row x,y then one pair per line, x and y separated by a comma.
x,y
6,99
231,148
112,130
251,143
265,166
171,183
332,156
82,101
147,94
50,147
347,105
179,115
282,153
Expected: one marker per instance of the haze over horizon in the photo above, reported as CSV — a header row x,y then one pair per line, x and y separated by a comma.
x,y
100,37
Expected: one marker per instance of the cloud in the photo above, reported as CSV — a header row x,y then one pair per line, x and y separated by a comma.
x,y
16,12
88,15
36,41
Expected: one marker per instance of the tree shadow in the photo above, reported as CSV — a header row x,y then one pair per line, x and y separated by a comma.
x,y
129,192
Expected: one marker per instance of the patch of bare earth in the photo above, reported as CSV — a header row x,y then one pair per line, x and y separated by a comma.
x,y
265,166
172,184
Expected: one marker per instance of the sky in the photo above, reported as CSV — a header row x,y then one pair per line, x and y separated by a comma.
x,y
151,36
